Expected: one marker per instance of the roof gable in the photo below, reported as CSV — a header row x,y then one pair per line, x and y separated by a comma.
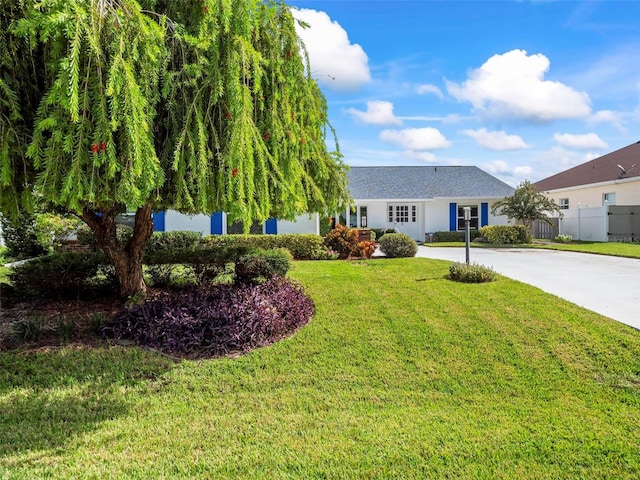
x,y
424,182
601,169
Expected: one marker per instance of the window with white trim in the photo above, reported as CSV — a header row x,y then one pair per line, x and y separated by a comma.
x,y
474,217
609,198
564,204
402,214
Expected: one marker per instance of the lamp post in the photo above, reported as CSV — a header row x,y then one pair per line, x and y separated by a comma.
x,y
467,221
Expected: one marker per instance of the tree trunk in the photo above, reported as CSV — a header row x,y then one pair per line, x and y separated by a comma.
x,y
127,258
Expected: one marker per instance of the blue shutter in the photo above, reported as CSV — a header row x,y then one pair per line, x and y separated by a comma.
x,y
453,217
484,214
216,223
158,222
271,226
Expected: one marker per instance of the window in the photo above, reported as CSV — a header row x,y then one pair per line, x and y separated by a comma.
x,y
358,213
610,198
363,217
402,214
353,218
564,204
474,216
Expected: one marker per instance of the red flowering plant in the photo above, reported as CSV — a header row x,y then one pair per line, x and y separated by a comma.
x,y
343,240
364,249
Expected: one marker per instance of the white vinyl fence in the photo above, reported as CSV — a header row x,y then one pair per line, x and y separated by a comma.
x,y
614,223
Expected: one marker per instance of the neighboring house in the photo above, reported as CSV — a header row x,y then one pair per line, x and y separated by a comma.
x,y
419,200
614,178
218,224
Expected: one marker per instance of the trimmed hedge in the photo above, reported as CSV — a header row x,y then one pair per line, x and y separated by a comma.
x,y
506,234
261,265
455,236
301,246
398,245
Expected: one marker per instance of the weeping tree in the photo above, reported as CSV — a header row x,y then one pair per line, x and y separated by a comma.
x,y
109,106
525,206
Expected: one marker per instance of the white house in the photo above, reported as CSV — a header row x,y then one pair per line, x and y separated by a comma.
x,y
419,200
416,200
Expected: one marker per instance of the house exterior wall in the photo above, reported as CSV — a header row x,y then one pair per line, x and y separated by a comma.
x,y
217,223
627,192
302,224
174,221
432,215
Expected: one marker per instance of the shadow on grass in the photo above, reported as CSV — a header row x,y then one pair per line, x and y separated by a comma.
x,y
49,397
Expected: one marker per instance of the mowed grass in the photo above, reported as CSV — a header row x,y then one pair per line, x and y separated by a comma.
x,y
629,250
402,374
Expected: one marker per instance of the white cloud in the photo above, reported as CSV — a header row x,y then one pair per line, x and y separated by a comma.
x,y
421,156
496,166
584,142
378,113
427,138
522,171
432,89
512,175
498,141
335,61
608,116
513,85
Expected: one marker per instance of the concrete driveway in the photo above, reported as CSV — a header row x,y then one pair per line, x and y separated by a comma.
x,y
606,285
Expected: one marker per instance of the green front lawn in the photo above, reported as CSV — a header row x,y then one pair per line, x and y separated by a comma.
x,y
401,374
631,250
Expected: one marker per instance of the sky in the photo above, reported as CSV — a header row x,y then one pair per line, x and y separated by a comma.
x,y
522,89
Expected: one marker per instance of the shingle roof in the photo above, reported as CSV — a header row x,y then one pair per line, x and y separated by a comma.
x,y
601,169
424,182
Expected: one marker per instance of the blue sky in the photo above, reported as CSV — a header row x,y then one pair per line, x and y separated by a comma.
x,y
522,89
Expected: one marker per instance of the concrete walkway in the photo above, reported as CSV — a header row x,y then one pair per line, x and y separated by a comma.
x,y
606,285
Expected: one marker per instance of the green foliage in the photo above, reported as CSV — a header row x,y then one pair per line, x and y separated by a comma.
x,y
65,275
262,265
201,106
20,236
52,229
455,236
471,273
28,329
162,242
506,234
564,238
65,328
301,246
115,106
398,245
526,205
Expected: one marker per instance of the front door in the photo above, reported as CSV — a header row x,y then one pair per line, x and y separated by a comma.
x,y
404,218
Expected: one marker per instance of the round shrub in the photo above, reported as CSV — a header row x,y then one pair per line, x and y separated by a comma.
x,y
216,320
262,265
398,245
471,273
